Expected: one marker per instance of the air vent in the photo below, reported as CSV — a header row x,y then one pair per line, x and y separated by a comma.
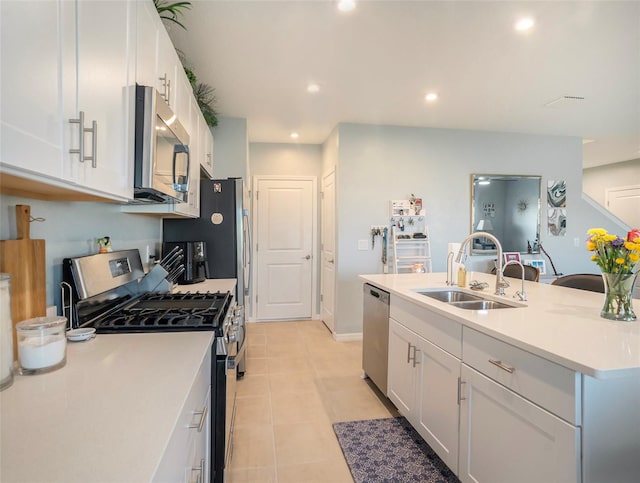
x,y
565,101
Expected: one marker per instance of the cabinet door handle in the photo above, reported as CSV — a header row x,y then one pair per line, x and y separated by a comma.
x,y
80,123
408,352
94,146
415,356
502,366
203,419
81,131
460,383
200,470
164,88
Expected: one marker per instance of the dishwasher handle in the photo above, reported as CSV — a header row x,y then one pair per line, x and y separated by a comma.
x,y
377,293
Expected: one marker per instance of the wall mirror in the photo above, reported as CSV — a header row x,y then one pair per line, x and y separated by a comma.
x,y
508,207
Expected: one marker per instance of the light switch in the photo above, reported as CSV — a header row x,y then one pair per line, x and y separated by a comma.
x,y
363,244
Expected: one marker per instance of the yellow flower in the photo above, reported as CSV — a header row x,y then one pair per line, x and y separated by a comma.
x,y
610,237
634,257
620,261
594,258
591,246
597,231
631,246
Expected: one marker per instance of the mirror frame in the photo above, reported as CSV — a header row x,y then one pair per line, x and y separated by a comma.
x,y
476,177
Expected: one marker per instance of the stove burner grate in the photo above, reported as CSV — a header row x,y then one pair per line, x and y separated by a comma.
x,y
168,312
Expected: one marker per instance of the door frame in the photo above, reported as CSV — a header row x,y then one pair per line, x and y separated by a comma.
x,y
322,273
315,312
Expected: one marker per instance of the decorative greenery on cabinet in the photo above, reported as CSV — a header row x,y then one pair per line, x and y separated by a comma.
x,y
170,11
204,93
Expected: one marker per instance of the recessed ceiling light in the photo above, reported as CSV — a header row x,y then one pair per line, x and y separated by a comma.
x,y
294,135
587,140
524,24
346,5
431,96
313,88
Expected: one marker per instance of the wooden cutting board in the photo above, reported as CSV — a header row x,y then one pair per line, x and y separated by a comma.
x,y
24,260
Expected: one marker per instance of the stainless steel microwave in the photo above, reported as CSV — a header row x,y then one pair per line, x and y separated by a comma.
x,y
161,150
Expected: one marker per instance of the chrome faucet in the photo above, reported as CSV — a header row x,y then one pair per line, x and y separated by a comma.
x,y
500,282
450,268
522,295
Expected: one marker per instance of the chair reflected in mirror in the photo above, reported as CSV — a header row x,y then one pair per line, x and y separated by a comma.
x,y
582,281
514,271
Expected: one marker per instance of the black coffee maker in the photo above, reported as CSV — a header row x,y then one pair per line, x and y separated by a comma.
x,y
196,268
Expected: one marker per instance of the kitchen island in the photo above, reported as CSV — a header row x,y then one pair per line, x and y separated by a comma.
x,y
111,413
544,391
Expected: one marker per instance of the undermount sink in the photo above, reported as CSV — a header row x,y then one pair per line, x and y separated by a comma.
x,y
481,305
464,300
450,296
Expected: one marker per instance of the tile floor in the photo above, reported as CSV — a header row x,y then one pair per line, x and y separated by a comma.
x,y
298,382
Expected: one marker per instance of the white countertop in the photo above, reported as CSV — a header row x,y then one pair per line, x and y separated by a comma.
x,y
558,323
108,414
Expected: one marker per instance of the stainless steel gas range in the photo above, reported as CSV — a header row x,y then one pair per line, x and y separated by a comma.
x,y
110,293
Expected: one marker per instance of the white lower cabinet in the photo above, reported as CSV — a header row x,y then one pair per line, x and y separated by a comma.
x,y
402,374
505,438
496,413
437,401
423,379
186,458
519,415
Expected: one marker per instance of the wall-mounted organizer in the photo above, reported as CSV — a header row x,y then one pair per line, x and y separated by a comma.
x,y
411,248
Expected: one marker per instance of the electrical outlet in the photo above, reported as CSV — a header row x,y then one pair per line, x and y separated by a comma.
x,y
576,242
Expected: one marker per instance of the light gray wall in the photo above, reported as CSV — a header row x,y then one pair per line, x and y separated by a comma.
x,y
230,149
380,163
595,181
71,230
285,159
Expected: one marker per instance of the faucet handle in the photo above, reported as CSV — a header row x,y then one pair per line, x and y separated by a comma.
x,y
521,295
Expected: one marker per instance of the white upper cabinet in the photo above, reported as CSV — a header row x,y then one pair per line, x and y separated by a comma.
x,y
147,35
30,101
105,67
207,149
69,60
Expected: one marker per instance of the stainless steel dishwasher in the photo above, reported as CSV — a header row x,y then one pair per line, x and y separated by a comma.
x,y
375,335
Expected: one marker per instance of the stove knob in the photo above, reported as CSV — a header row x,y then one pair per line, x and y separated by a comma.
x,y
231,337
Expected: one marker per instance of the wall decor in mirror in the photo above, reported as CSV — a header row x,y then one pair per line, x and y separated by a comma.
x,y
508,207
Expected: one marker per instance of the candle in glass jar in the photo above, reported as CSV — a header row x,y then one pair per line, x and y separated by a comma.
x,y
42,344
6,332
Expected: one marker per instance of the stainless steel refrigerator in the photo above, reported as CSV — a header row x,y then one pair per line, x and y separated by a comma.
x,y
224,226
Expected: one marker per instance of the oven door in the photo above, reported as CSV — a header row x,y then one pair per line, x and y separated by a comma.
x,y
232,369
223,385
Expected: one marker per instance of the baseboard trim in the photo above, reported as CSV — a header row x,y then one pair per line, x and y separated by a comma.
x,y
347,337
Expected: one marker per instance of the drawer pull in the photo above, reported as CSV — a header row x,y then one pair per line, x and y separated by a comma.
x,y
503,366
203,419
408,352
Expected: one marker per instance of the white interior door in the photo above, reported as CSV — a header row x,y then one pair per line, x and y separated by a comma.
x,y
624,202
327,248
285,219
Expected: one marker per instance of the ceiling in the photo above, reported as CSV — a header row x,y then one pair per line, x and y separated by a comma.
x,y
375,64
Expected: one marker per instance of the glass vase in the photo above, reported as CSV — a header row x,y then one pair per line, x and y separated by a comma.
x,y
618,295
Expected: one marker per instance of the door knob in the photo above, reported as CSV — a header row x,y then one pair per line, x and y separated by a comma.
x,y
308,257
